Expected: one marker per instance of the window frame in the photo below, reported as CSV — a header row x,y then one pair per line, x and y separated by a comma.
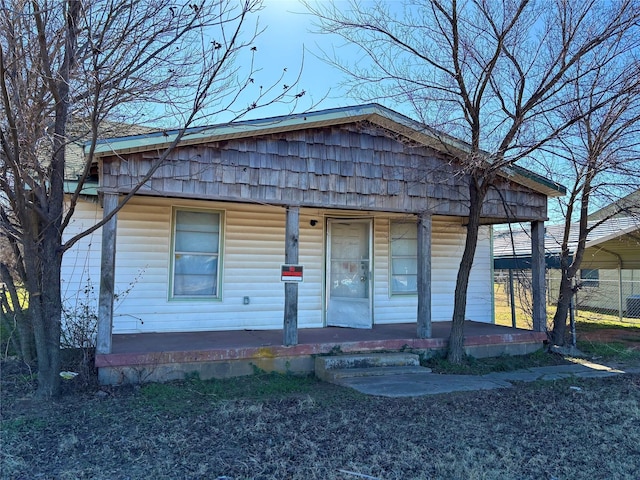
x,y
172,255
393,293
590,277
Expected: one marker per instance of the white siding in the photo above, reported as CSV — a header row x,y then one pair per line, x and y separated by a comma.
x,y
447,244
480,293
80,275
252,253
311,255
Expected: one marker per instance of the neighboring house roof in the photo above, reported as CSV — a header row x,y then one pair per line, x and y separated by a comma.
x,y
516,244
374,113
79,132
625,207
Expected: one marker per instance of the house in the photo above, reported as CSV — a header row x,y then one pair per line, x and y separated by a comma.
x,y
350,217
610,269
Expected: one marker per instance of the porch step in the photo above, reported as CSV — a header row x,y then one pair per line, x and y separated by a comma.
x,y
332,369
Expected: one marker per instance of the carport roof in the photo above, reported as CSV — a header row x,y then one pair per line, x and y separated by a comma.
x,y
512,249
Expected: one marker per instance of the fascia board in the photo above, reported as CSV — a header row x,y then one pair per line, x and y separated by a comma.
x,y
612,236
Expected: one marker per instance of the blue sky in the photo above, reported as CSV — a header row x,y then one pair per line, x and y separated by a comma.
x,y
288,39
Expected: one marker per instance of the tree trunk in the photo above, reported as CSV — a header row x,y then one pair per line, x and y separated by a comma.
x,y
562,309
43,275
49,378
477,192
569,270
25,335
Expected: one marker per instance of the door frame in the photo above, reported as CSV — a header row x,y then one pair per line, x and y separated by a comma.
x,y
327,270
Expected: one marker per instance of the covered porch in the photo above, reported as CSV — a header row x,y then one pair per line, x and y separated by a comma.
x,y
171,356
368,204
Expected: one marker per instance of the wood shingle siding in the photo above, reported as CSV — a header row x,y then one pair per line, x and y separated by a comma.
x,y
360,166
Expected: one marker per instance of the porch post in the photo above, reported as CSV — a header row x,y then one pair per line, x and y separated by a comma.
x,y
292,231
107,275
424,275
538,277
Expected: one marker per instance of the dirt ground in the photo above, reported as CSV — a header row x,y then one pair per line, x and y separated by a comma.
x,y
276,427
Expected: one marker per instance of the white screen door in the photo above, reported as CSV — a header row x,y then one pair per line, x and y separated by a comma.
x,y
349,273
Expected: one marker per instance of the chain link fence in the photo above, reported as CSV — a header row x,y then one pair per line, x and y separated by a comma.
x,y
609,292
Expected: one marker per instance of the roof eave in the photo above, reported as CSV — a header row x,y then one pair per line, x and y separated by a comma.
x,y
534,181
89,188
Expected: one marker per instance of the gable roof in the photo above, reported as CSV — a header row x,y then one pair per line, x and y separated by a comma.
x,y
625,207
373,113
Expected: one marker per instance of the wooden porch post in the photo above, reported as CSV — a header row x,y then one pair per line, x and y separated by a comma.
x,y
107,275
424,275
292,231
538,277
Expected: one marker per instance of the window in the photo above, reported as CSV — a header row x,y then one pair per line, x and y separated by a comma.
x,y
590,277
404,258
196,251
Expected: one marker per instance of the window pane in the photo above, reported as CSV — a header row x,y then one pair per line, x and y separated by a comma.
x,y
404,230
197,221
589,274
196,264
349,279
197,232
404,266
196,242
590,277
195,275
404,247
194,285
404,283
404,239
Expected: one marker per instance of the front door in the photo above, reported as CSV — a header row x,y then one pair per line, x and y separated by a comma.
x,y
349,273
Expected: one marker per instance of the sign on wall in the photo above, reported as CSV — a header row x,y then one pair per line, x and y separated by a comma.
x,y
291,273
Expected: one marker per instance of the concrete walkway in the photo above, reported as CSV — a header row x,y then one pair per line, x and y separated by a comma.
x,y
417,384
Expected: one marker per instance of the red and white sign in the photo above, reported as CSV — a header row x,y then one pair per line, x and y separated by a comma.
x,y
291,273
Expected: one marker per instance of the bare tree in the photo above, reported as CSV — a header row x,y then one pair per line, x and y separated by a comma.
x,y
602,157
488,72
86,62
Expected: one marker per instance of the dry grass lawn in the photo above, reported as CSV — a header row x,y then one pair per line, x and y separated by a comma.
x,y
283,427
279,427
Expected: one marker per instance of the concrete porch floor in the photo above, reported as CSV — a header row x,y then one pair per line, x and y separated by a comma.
x,y
166,356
